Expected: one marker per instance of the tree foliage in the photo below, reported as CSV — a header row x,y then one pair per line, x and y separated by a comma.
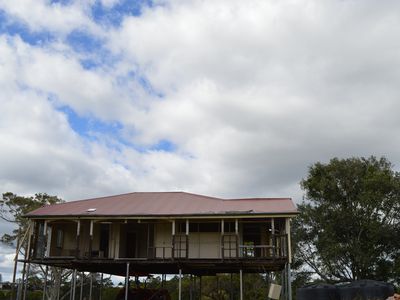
x,y
221,287
12,210
349,223
14,207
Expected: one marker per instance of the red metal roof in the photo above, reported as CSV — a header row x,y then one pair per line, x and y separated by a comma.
x,y
166,204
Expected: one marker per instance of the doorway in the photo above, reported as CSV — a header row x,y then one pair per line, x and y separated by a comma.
x,y
131,244
104,240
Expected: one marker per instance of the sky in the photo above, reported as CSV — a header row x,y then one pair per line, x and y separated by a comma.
x,y
224,98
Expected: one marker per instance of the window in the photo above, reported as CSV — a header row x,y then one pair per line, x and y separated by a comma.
x,y
59,238
204,227
209,227
200,227
229,226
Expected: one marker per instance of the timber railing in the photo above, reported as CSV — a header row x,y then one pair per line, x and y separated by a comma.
x,y
160,252
276,249
180,244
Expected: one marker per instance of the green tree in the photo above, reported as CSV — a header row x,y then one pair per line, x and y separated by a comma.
x,y
14,207
12,210
349,223
218,287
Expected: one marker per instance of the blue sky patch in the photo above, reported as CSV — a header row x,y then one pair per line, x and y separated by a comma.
x,y
13,28
113,16
135,75
148,87
86,126
62,2
89,64
80,41
89,126
164,145
92,48
103,58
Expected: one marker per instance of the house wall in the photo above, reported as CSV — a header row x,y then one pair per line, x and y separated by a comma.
x,y
68,241
84,238
114,240
201,244
163,238
96,237
122,241
205,245
139,247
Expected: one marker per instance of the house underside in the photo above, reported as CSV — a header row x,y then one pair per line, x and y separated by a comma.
x,y
198,267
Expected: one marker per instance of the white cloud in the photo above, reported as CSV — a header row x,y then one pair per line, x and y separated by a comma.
x,y
6,263
258,91
41,15
39,150
56,70
252,94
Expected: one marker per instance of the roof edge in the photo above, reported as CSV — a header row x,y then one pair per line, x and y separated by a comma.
x,y
164,216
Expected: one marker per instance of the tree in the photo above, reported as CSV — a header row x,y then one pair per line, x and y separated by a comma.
x,y
218,287
12,210
349,222
14,207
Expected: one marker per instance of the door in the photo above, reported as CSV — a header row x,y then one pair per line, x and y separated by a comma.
x,y
131,237
104,240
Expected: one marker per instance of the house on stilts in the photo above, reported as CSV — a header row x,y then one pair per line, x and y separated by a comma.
x,y
164,233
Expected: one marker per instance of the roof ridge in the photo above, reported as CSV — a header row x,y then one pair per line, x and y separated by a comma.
x,y
98,198
203,196
131,193
101,197
259,198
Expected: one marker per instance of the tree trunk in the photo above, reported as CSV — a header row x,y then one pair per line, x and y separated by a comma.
x,y
54,288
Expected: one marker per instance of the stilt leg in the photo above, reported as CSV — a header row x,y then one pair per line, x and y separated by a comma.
x,y
45,282
19,290
26,280
101,286
91,286
81,292
231,287
191,287
180,284
217,282
284,285
71,286
59,284
127,281
194,287
200,288
289,281
22,283
74,286
13,286
241,284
